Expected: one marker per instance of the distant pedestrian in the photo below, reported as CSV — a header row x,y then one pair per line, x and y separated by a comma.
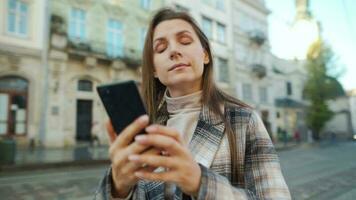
x,y
310,136
296,136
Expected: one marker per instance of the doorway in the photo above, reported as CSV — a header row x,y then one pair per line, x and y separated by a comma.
x,y
84,120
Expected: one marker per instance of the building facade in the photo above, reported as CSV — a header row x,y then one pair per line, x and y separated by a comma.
x,y
22,27
342,124
253,82
92,42
289,77
352,95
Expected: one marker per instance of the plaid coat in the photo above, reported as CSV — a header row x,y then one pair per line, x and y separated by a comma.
x,y
258,175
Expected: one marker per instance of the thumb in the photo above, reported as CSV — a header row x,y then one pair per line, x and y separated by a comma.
x,y
112,134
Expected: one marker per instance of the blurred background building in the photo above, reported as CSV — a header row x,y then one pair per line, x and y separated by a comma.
x,y
21,68
47,86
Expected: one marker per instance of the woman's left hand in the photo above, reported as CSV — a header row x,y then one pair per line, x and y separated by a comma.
x,y
182,168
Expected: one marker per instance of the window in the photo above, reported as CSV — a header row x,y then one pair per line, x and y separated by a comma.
x,y
221,33
114,38
289,88
85,85
263,93
220,5
247,91
143,32
223,70
181,8
208,2
17,21
77,24
208,27
145,4
240,52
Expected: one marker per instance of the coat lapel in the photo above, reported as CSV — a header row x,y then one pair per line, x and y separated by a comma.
x,y
207,137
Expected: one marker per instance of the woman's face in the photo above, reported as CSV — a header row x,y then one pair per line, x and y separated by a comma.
x,y
178,55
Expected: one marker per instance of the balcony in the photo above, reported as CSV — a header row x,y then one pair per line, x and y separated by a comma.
x,y
82,49
57,25
259,70
257,37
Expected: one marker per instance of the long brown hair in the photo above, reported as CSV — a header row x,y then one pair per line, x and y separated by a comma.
x,y
153,90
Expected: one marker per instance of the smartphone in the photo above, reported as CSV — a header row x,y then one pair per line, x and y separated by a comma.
x,y
122,102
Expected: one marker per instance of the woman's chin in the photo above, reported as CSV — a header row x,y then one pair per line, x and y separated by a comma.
x,y
181,81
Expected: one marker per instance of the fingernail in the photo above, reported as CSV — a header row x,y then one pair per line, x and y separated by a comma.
x,y
151,129
140,138
143,119
134,157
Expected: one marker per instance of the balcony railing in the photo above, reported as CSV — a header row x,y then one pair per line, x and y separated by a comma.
x,y
259,70
258,37
130,56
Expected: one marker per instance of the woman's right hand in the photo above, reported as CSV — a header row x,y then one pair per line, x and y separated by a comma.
x,y
121,146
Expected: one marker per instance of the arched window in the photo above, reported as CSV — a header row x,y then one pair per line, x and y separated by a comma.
x,y
85,85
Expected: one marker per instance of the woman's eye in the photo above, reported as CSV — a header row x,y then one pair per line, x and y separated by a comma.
x,y
185,40
160,48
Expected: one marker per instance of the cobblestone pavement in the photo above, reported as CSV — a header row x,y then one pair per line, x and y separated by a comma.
x,y
322,172
69,183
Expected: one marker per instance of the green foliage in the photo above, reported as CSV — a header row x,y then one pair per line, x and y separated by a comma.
x,y
320,86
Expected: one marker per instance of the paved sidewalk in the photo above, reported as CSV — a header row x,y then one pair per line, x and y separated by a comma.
x,y
30,159
43,158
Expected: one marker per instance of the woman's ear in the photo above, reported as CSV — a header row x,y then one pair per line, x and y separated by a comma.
x,y
206,57
155,74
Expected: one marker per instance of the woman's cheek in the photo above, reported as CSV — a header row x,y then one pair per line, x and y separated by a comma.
x,y
162,76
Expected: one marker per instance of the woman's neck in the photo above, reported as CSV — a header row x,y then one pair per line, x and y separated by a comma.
x,y
182,91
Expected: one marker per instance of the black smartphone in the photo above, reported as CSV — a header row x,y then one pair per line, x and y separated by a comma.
x,y
122,102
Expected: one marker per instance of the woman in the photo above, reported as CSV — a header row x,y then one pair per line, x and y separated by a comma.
x,y
202,143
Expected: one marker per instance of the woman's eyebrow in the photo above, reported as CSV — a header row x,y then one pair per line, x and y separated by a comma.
x,y
178,33
182,32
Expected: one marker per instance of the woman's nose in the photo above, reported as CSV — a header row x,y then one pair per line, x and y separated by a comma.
x,y
174,55
174,50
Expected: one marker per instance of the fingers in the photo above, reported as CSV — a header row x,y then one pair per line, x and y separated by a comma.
x,y
127,135
164,130
165,176
161,142
153,160
123,153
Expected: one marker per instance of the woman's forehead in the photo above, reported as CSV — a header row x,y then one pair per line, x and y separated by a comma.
x,y
171,27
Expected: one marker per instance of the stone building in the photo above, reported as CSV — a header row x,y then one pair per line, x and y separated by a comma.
x,y
22,29
92,42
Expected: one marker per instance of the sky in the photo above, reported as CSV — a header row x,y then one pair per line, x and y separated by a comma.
x,y
338,28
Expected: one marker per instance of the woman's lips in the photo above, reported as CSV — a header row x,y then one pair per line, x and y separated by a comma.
x,y
178,66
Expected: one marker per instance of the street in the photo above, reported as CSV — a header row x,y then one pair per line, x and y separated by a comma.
x,y
324,171
68,183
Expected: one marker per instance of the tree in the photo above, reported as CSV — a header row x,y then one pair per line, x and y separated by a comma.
x,y
320,86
